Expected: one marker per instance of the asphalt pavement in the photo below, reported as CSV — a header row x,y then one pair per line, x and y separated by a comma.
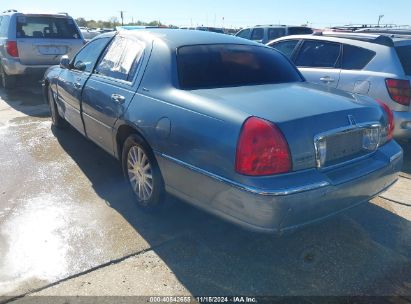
x,y
69,227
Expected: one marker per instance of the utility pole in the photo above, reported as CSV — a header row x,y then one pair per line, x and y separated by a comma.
x,y
379,19
122,17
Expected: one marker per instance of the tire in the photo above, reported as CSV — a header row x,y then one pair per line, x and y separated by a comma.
x,y
56,119
6,81
142,173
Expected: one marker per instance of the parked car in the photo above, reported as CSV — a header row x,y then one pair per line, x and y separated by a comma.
x,y
210,29
392,31
226,124
89,34
30,43
375,65
267,33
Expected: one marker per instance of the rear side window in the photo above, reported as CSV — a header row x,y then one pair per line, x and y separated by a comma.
x,y
4,25
46,27
318,54
227,65
355,58
257,34
274,33
121,59
286,47
404,53
299,30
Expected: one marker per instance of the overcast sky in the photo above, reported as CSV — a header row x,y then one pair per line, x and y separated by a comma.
x,y
228,13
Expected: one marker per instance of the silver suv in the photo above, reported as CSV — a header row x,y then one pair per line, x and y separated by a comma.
x,y
376,65
266,33
30,43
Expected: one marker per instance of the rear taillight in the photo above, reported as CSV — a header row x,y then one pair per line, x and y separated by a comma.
x,y
391,124
262,149
400,90
11,48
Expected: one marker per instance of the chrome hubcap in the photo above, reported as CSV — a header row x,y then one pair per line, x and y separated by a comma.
x,y
140,173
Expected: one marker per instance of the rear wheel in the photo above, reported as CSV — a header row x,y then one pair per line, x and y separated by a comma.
x,y
142,172
6,81
56,119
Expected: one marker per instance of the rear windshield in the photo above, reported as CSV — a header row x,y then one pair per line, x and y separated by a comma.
x,y
225,65
299,30
46,27
404,53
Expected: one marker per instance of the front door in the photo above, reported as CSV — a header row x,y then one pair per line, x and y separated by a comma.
x,y
71,82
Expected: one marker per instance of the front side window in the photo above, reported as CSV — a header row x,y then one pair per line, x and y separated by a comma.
x,y
286,47
244,34
355,58
46,27
274,33
228,65
121,59
318,54
86,59
257,34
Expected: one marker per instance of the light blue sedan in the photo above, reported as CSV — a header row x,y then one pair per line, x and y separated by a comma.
x,y
225,124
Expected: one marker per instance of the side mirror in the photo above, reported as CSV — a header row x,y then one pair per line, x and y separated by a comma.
x,y
65,62
80,66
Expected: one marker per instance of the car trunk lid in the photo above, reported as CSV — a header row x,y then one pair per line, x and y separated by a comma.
x,y
303,111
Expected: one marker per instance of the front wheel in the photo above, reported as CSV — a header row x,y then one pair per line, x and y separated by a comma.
x,y
7,81
142,172
56,119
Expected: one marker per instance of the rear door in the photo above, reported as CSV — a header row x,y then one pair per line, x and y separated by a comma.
x,y
111,88
71,81
43,39
287,47
319,62
353,78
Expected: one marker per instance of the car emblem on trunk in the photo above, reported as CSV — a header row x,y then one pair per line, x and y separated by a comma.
x,y
352,121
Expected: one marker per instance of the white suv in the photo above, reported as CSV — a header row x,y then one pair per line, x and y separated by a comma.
x,y
376,65
30,43
266,33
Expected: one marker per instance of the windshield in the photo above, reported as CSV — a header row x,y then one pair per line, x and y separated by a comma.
x,y
404,53
224,65
46,27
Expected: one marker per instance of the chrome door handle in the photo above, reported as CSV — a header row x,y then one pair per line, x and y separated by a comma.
x,y
77,85
327,79
118,98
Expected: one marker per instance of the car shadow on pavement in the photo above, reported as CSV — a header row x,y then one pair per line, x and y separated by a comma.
x,y
406,146
365,251
27,98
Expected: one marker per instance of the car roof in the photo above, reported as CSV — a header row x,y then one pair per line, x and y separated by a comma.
x,y
175,38
277,25
35,13
352,38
